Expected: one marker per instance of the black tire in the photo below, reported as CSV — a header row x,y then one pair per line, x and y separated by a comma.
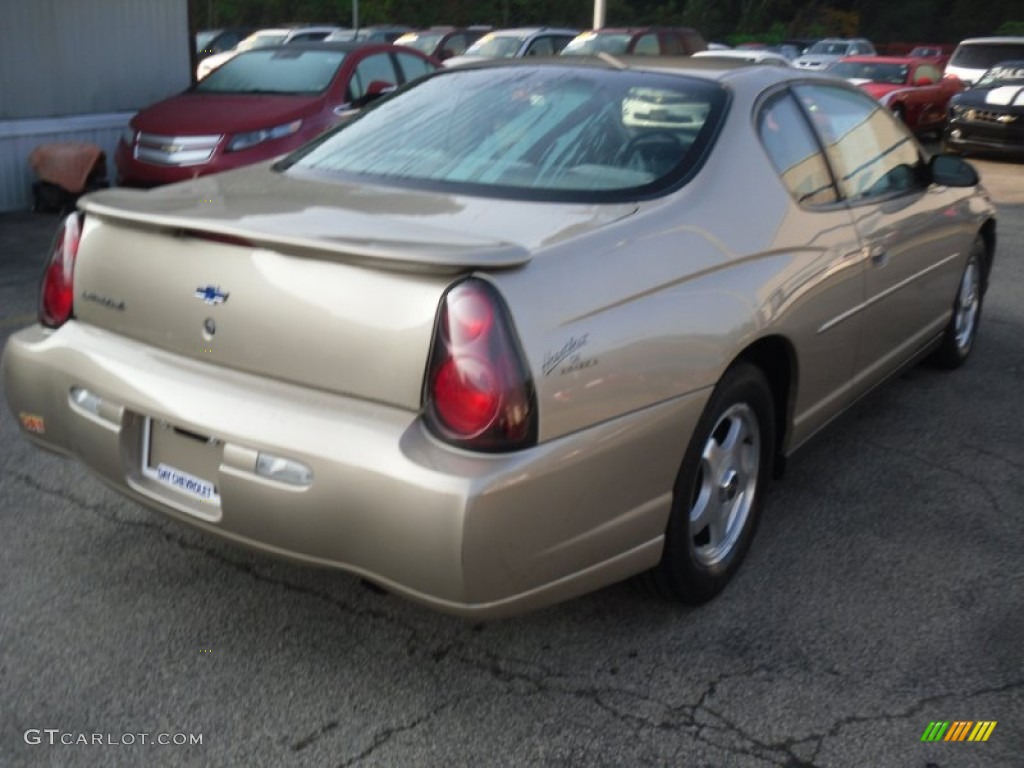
x,y
958,339
736,429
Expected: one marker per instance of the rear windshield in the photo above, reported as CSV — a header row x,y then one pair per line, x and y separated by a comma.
x,y
590,44
423,42
262,40
496,46
985,55
285,71
830,49
893,74
539,132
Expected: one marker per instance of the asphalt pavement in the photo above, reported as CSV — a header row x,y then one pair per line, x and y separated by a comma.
x,y
882,593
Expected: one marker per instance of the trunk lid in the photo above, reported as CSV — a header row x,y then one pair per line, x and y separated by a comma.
x,y
328,285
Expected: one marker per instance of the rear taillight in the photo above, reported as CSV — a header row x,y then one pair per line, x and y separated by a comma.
x,y
57,293
478,393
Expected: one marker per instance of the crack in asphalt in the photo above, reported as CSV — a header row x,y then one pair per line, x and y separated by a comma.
x,y
385,735
929,462
531,678
111,515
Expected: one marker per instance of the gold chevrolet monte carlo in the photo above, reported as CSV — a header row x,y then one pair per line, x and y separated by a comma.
x,y
515,332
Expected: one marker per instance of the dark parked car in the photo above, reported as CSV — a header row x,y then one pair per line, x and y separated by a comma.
x,y
990,116
441,42
260,104
644,41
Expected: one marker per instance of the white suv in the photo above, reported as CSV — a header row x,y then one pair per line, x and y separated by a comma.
x,y
976,55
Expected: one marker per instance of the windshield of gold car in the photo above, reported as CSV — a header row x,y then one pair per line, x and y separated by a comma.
x,y
541,132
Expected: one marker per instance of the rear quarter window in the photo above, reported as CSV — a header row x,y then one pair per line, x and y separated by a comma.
x,y
794,151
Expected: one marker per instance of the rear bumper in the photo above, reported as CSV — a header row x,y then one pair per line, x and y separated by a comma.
x,y
467,534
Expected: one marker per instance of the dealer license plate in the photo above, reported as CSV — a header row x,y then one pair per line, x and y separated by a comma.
x,y
181,460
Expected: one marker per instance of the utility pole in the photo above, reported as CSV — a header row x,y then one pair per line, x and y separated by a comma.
x,y
599,11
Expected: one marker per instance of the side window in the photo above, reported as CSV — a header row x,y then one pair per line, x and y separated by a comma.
x,y
792,148
647,45
560,41
377,67
455,45
672,44
540,47
927,70
305,37
227,41
412,66
871,153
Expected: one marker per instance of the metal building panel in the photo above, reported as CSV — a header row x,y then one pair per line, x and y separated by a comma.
x,y
19,137
70,57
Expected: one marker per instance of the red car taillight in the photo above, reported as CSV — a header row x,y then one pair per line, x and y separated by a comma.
x,y
478,393
56,297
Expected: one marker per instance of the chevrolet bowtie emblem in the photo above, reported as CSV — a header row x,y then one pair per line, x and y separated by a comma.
x,y
211,294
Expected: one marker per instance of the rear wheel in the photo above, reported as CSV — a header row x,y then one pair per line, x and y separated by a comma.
x,y
958,340
719,489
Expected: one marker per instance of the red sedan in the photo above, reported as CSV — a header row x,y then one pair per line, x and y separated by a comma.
x,y
913,88
260,104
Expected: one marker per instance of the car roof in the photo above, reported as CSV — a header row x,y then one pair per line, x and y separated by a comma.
x,y
635,30
992,40
708,68
345,46
524,31
890,59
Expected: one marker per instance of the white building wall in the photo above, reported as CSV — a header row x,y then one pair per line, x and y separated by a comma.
x,y
76,70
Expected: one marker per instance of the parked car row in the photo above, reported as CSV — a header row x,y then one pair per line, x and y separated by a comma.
x,y
271,93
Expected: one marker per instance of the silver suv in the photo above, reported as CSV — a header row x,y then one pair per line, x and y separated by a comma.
x,y
825,52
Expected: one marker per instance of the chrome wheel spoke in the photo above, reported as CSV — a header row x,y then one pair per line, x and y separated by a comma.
x,y
726,484
967,306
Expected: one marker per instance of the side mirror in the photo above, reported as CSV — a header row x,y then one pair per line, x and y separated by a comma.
x,y
379,87
953,171
374,91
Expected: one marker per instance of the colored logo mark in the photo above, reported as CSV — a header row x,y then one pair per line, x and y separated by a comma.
x,y
211,294
32,423
959,730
